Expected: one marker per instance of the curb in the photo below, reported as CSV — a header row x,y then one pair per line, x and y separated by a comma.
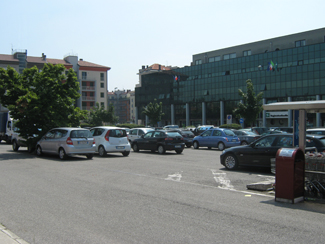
x,y
7,237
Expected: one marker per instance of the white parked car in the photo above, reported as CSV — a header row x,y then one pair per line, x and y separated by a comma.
x,y
137,133
111,140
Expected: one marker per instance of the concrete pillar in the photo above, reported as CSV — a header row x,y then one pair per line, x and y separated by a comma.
x,y
187,114
172,114
204,114
147,120
318,115
222,113
264,114
289,114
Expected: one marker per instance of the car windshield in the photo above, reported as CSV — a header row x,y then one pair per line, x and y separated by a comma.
x,y
250,133
322,140
81,134
229,133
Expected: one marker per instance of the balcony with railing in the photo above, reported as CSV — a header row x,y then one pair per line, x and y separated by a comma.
x,y
87,107
88,88
88,98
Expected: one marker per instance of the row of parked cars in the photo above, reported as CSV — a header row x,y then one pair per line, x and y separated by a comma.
x,y
239,147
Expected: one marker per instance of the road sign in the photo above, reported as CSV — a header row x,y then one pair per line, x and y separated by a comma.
x,y
241,121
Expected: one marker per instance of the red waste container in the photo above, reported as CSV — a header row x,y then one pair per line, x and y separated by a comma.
x,y
290,175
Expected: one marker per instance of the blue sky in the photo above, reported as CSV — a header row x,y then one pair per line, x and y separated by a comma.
x,y
126,34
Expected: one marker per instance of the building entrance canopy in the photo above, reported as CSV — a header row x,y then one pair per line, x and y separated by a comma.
x,y
300,121
308,106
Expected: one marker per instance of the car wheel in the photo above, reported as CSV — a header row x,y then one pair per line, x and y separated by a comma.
x,y
15,146
161,149
179,151
90,156
62,154
244,143
126,153
135,147
101,151
221,146
195,145
188,145
39,151
230,162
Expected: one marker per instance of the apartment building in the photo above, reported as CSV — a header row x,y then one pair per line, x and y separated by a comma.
x,y
91,77
120,99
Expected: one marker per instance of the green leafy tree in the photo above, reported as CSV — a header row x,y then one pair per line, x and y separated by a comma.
x,y
251,106
40,100
99,115
154,112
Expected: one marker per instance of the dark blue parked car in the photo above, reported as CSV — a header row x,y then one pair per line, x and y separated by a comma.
x,y
216,137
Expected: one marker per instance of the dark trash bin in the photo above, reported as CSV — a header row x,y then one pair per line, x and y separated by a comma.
x,y
289,175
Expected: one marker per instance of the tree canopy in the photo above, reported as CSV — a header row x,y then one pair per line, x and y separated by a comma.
x,y
41,100
251,106
154,112
98,115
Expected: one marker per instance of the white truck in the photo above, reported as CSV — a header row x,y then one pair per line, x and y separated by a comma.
x,y
6,127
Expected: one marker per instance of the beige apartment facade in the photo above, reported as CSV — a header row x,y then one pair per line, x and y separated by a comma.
x,y
92,77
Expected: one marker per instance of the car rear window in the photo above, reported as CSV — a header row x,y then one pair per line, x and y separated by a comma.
x,y
173,134
80,134
117,133
229,133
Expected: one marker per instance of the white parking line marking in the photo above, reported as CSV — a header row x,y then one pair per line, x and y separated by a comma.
x,y
174,177
222,180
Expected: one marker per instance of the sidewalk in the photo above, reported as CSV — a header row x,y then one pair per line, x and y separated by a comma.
x,y
7,237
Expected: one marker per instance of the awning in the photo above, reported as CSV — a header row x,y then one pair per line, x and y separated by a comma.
x,y
308,106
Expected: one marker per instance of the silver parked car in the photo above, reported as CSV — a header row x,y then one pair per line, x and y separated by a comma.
x,y
67,141
137,133
110,140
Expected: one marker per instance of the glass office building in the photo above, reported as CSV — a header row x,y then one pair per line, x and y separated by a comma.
x,y
288,68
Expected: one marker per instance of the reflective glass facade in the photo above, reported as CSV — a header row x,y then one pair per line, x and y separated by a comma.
x,y
297,72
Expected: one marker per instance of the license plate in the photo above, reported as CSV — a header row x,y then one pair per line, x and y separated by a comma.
x,y
234,140
177,146
82,142
120,147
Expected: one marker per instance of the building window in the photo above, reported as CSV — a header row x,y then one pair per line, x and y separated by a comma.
x,y
247,53
300,43
102,104
228,56
66,72
84,75
214,59
102,85
198,62
101,76
102,94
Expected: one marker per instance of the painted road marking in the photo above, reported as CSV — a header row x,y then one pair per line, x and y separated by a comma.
x,y
174,177
222,180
